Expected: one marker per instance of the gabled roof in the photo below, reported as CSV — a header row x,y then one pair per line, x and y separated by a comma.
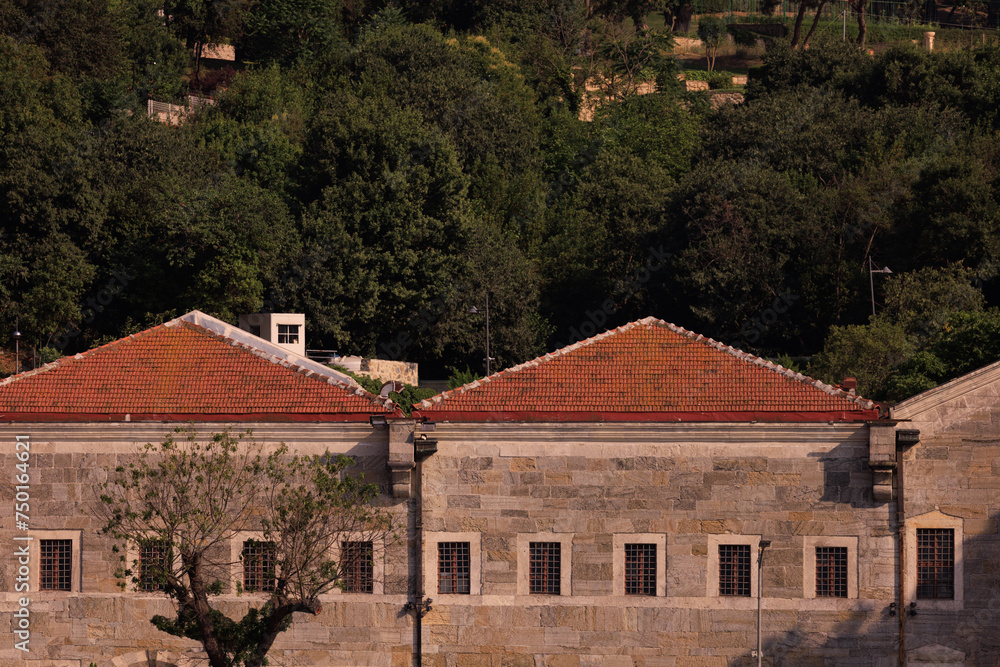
x,y
954,392
648,370
194,368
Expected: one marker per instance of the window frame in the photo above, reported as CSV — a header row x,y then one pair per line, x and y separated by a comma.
x,y
430,567
369,575
291,335
140,574
809,544
35,558
938,546
266,545
713,569
565,541
618,568
934,520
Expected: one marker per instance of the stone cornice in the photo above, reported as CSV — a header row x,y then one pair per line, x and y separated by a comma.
x,y
605,432
142,432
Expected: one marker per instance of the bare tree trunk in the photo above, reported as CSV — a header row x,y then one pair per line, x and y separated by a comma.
x,y
198,603
812,28
862,27
798,23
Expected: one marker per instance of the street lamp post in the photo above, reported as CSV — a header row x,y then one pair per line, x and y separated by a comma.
x,y
17,351
871,280
476,311
763,544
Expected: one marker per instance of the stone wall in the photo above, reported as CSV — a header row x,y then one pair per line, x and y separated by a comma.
x,y
954,473
698,486
99,623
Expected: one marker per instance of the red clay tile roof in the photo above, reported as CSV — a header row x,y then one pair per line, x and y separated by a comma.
x,y
648,370
186,370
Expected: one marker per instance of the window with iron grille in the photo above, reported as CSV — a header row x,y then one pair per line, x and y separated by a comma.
x,y
734,569
259,566
936,563
831,572
454,568
640,569
544,568
154,562
55,565
357,566
288,334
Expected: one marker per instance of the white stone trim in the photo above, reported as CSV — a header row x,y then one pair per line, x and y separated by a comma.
x,y
431,540
618,568
809,544
35,551
524,541
935,519
714,542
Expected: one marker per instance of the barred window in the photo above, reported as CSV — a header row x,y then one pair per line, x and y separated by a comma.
x,y
288,334
454,568
259,566
936,563
640,569
831,572
357,566
55,565
544,568
734,569
154,562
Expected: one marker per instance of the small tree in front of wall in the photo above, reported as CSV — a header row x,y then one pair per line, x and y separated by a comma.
x,y
712,33
181,502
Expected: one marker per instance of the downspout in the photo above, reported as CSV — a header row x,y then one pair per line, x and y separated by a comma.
x,y
900,542
905,438
420,605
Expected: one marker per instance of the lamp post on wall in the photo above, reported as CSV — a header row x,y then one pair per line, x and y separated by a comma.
x,y
871,280
763,544
17,350
476,311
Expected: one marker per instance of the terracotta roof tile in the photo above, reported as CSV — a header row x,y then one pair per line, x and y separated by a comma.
x,y
182,368
650,366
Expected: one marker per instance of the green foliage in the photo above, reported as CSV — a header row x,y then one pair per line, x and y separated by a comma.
x,y
192,495
460,378
712,33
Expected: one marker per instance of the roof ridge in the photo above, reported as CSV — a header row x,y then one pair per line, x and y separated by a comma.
x,y
275,354
769,365
224,332
548,356
653,321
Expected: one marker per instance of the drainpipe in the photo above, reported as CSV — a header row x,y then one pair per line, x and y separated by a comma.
x,y
904,440
423,447
900,542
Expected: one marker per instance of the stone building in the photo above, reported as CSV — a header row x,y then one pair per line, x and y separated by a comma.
x,y
74,419
614,496
603,505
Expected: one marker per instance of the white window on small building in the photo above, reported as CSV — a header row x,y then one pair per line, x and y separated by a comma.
x,y
288,334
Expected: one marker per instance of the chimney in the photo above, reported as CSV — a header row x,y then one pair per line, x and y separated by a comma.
x,y
850,384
